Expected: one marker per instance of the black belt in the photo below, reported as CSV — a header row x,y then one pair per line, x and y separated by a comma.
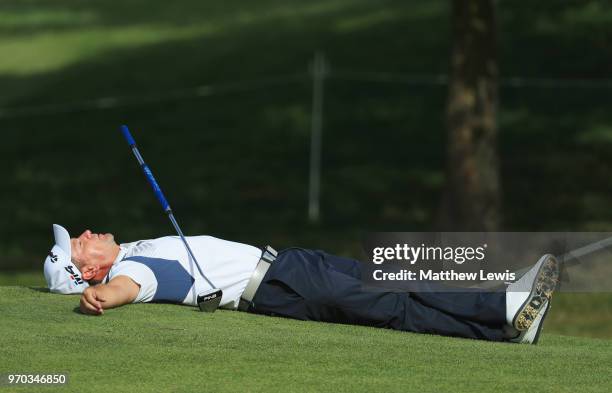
x,y
268,256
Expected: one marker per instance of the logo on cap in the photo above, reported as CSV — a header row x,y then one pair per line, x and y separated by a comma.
x,y
73,276
53,257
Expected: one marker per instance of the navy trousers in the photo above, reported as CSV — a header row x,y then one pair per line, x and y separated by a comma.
x,y
316,286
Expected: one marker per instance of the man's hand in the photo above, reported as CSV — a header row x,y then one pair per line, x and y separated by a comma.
x,y
91,302
119,291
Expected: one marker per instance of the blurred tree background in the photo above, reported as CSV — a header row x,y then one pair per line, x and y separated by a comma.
x,y
471,201
219,97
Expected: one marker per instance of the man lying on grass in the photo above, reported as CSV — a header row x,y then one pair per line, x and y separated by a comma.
x,y
296,283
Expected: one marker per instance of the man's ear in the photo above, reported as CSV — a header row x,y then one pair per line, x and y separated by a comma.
x,y
90,271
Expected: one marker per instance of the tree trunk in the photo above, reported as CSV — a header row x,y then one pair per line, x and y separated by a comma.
x,y
472,199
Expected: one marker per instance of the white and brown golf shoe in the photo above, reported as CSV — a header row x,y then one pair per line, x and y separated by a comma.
x,y
529,295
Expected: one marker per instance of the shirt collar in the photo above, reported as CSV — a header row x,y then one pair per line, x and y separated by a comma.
x,y
120,256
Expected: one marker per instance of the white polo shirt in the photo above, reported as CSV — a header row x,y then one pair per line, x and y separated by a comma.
x,y
162,268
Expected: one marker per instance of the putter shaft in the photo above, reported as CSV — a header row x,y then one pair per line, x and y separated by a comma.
x,y
161,198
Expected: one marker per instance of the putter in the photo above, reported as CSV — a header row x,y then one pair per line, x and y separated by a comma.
x,y
569,259
207,301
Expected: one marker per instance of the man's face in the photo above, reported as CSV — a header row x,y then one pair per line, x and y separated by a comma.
x,y
93,249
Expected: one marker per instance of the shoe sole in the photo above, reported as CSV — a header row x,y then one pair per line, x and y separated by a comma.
x,y
543,287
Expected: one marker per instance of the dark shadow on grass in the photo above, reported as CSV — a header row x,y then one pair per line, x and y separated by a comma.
x,y
40,289
77,310
230,162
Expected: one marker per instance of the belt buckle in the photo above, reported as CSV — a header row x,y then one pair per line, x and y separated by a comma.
x,y
269,254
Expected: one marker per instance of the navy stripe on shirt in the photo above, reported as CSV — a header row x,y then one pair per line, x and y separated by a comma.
x,y
173,281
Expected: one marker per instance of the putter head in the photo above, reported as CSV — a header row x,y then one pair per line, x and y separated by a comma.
x,y
208,301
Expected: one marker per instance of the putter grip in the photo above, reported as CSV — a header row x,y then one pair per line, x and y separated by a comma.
x,y
127,135
158,192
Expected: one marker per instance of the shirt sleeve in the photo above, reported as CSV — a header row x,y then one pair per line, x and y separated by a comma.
x,y
141,275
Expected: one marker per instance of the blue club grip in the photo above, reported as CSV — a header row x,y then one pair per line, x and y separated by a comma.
x,y
127,135
158,192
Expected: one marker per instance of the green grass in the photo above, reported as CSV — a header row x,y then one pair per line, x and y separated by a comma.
x,y
153,347
581,314
23,278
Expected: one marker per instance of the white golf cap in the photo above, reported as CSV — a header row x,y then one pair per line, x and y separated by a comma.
x,y
61,274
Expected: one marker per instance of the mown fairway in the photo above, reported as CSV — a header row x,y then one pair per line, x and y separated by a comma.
x,y
169,348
